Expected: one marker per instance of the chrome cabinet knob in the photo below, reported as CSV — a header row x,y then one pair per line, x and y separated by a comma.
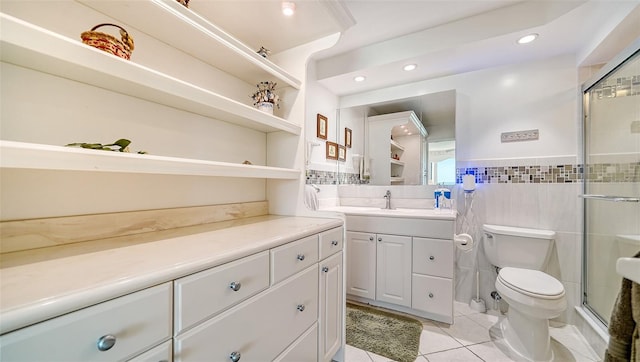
x,y
432,257
300,307
235,286
235,356
430,295
300,257
325,269
379,239
334,243
370,238
106,342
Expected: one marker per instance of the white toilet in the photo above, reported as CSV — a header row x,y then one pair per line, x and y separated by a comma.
x,y
533,296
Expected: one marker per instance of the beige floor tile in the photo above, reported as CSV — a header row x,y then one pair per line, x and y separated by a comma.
x,y
433,339
489,352
353,354
453,355
467,332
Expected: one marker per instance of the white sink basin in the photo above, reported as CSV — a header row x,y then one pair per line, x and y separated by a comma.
x,y
399,212
629,268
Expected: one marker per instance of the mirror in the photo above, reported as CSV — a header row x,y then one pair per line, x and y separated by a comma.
x,y
409,141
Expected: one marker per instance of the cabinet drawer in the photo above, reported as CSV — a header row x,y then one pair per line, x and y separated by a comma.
x,y
331,242
137,321
204,294
293,257
432,294
160,353
304,349
433,257
260,328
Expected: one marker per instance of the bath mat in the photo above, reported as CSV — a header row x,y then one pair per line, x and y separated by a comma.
x,y
383,333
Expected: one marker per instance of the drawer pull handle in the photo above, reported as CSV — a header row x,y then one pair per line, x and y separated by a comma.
x,y
430,295
235,356
300,307
106,342
370,238
300,257
334,243
235,286
379,239
432,257
325,269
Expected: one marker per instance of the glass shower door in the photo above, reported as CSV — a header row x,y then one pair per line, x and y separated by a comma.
x,y
611,181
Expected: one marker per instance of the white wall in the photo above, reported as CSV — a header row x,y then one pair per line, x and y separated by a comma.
x,y
322,101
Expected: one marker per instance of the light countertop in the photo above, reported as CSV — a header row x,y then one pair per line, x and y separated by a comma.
x,y
44,283
446,214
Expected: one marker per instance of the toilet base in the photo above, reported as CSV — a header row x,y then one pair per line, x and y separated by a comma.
x,y
527,337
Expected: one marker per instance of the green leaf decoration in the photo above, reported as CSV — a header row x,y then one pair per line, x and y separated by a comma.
x,y
118,146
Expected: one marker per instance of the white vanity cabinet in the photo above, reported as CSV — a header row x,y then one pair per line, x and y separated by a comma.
x,y
115,330
379,267
402,263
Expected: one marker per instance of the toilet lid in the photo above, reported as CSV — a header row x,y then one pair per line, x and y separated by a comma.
x,y
531,282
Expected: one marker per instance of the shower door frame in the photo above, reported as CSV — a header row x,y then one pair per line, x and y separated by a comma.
x,y
606,70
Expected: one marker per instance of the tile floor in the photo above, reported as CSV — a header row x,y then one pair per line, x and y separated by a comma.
x,y
470,339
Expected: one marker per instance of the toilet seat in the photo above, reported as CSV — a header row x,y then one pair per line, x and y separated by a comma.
x,y
533,283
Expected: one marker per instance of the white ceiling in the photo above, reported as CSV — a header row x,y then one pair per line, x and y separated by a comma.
x,y
443,37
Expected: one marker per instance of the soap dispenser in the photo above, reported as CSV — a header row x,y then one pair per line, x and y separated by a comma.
x,y
441,195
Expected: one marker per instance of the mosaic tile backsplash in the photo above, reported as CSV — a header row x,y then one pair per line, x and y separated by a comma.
x,y
600,172
333,178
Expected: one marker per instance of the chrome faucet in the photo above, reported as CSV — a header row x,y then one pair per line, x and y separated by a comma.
x,y
387,196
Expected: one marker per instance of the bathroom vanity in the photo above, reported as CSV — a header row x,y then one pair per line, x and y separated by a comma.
x,y
266,288
401,259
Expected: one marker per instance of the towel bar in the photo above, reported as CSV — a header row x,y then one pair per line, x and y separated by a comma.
x,y
611,198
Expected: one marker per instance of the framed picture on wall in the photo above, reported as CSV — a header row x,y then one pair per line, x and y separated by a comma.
x,y
321,126
332,151
347,137
342,153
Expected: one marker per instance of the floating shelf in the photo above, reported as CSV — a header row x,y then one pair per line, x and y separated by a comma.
x,y
396,146
396,162
397,180
30,46
45,157
184,29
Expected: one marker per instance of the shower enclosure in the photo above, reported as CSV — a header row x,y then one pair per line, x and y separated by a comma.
x,y
611,174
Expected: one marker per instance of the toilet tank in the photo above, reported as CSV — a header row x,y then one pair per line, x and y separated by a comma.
x,y
508,246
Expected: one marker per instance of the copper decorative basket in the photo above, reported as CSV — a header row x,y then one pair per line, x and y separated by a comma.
x,y
109,43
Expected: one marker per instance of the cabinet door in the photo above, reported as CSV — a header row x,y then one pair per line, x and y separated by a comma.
x,y
393,269
361,265
331,307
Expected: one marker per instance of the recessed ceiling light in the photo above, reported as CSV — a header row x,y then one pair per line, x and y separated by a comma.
x,y
288,8
360,78
409,67
527,38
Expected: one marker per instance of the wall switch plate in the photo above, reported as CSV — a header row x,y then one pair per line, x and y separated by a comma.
x,y
518,136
